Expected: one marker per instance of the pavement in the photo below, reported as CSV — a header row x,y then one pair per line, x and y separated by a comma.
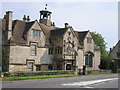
x,y
90,81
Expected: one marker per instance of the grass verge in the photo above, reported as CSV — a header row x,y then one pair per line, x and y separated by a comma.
x,y
46,77
37,77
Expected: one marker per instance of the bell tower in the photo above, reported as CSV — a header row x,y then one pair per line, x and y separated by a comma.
x,y
45,17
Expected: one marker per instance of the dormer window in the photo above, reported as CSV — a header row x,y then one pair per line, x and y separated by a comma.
x,y
36,33
89,40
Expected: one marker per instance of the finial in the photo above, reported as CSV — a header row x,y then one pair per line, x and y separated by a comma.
x,y
45,6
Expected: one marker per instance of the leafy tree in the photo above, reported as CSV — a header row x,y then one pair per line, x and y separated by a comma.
x,y
113,66
99,40
4,59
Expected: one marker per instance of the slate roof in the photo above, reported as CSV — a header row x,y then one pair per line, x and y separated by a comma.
x,y
20,29
47,30
58,32
81,35
115,51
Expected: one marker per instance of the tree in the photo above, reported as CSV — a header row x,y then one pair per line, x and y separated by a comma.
x,y
99,40
4,59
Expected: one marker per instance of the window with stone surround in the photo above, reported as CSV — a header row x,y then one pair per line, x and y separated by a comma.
x,y
33,49
36,33
50,51
89,40
30,66
89,60
58,50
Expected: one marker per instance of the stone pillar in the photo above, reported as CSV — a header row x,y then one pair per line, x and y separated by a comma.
x,y
65,66
76,70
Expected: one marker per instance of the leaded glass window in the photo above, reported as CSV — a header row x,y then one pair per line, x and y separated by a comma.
x,y
89,60
36,33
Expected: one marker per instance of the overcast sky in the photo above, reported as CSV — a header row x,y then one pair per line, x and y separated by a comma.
x,y
100,17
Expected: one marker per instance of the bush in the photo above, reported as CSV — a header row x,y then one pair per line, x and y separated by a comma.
x,y
23,74
7,74
89,72
118,70
40,73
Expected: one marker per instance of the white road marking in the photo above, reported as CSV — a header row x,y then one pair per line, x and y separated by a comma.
x,y
84,83
88,87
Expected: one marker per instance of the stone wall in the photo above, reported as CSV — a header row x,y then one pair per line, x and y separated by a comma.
x,y
13,68
41,40
97,60
44,67
21,54
79,59
90,47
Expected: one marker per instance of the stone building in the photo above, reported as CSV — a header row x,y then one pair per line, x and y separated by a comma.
x,y
40,45
115,52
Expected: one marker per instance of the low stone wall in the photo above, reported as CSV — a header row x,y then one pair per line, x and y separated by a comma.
x,y
14,68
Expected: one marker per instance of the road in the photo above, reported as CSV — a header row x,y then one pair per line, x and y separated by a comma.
x,y
91,81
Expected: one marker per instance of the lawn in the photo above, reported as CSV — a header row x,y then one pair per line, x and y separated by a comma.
x,y
37,77
45,77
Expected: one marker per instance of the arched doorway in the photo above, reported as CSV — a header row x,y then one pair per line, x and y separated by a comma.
x,y
68,67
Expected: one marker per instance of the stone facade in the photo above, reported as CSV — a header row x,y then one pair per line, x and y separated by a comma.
x,y
115,52
39,46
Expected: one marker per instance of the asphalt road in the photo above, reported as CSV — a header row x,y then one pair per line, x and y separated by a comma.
x,y
91,81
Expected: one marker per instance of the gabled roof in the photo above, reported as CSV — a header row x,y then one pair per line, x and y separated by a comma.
x,y
47,30
20,29
117,45
115,52
58,32
81,35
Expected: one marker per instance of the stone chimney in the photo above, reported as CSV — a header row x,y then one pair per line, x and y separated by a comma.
x,y
8,18
110,49
24,18
53,24
66,25
28,19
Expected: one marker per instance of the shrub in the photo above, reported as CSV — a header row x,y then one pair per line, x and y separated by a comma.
x,y
89,72
7,74
118,70
40,73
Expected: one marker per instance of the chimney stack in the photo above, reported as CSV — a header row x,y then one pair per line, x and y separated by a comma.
x,y
4,17
8,18
53,24
110,49
66,25
24,18
28,19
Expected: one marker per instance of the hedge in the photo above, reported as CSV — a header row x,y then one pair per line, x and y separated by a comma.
x,y
23,74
